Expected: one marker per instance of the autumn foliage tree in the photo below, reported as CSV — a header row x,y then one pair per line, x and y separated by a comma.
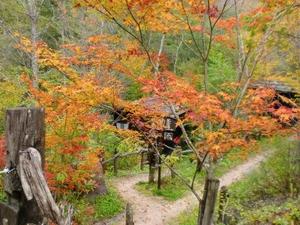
x,y
72,117
93,71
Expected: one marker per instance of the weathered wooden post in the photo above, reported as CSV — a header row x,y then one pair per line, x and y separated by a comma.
x,y
152,163
159,174
24,128
129,215
207,205
142,161
115,162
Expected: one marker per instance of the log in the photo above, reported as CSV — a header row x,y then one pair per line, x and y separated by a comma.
x,y
24,128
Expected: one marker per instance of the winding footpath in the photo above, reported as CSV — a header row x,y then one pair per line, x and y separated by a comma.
x,y
152,210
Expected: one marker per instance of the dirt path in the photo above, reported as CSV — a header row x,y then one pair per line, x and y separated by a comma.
x,y
150,210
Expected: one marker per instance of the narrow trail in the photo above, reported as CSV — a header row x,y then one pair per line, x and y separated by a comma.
x,y
152,210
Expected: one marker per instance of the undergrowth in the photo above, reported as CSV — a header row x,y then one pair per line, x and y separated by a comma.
x,y
90,210
270,195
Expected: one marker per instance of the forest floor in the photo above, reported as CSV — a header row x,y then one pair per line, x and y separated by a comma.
x,y
154,210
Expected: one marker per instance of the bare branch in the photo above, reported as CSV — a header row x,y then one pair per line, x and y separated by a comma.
x,y
191,30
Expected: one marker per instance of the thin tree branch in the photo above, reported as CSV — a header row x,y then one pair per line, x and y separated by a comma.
x,y
199,168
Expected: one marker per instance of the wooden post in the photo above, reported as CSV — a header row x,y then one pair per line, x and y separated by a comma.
x,y
142,161
159,174
151,160
115,163
24,128
207,205
129,215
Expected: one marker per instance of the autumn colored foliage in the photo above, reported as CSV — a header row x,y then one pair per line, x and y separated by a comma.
x,y
80,104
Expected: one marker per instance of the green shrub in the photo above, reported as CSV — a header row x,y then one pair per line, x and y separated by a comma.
x,y
112,143
278,176
269,195
286,213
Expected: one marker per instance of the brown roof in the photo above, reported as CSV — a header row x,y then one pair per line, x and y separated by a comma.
x,y
156,103
277,85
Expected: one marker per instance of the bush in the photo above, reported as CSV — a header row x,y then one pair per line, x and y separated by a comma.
x,y
111,143
278,176
278,214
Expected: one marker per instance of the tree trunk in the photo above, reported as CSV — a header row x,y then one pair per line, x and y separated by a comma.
x,y
33,15
24,129
242,65
159,53
101,188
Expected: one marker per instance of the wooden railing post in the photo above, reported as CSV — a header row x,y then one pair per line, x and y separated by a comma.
x,y
142,161
115,162
159,174
207,205
152,162
129,214
24,128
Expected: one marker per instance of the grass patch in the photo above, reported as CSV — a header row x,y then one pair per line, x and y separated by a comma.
x,y
108,205
173,188
88,211
186,218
